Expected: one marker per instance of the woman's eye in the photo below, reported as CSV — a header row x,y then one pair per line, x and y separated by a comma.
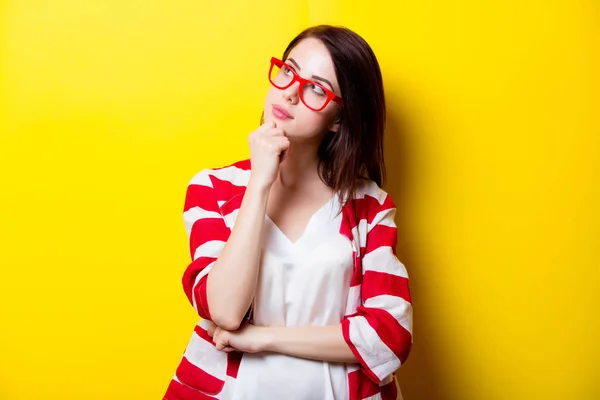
x,y
317,89
287,71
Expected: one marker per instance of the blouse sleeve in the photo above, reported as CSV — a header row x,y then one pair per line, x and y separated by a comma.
x,y
207,233
380,332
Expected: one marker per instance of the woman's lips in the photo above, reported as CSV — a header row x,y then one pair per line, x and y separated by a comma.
x,y
281,113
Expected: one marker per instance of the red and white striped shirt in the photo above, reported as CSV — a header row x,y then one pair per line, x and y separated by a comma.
x,y
378,322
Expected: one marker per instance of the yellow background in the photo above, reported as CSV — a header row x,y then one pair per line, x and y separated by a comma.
x,y
108,108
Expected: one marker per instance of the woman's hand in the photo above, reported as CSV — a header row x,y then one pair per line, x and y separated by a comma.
x,y
268,146
247,339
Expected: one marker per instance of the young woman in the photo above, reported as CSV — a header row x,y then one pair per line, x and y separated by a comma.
x,y
294,272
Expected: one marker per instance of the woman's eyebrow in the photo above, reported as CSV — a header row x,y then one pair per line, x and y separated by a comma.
x,y
295,63
314,76
324,80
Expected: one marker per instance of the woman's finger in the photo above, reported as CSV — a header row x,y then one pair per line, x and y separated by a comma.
x,y
267,125
220,345
280,144
220,338
276,132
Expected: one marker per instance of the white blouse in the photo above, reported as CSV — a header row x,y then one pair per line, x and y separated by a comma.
x,y
302,283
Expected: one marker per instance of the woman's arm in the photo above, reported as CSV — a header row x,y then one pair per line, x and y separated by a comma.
x,y
231,283
321,343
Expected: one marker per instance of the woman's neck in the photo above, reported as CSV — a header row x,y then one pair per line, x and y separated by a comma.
x,y
299,169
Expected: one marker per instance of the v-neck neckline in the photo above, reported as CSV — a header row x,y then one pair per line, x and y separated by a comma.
x,y
308,226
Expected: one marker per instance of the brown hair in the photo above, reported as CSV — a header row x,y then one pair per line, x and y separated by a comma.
x,y
356,150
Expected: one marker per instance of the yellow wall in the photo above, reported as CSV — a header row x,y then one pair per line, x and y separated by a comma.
x,y
108,108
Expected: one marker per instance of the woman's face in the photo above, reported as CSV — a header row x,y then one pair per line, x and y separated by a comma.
x,y
311,60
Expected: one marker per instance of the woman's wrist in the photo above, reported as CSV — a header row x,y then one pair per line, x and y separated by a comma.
x,y
258,186
267,339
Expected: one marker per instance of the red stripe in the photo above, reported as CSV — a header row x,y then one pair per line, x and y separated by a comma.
x,y
360,386
200,196
203,230
195,267
202,299
368,207
246,165
188,279
393,335
207,229
381,235
190,273
363,206
363,250
380,283
232,204
177,391
233,363
388,203
196,378
203,333
389,391
224,189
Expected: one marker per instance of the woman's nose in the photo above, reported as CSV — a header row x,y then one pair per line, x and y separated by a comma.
x,y
291,93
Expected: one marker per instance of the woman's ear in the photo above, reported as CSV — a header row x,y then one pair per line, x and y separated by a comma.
x,y
335,125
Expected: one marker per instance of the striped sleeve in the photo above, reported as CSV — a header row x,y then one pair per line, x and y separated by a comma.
x,y
380,332
207,234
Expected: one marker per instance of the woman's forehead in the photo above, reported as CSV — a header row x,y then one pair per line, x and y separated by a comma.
x,y
313,58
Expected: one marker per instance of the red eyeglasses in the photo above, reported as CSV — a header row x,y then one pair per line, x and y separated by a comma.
x,y
314,95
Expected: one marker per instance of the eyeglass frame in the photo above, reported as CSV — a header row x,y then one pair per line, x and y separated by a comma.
x,y
297,78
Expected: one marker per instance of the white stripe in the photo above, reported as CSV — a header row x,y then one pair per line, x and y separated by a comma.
x,y
385,217
352,367
370,188
353,300
236,176
194,214
204,323
360,232
228,389
205,356
376,354
200,275
201,178
383,260
399,308
212,248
